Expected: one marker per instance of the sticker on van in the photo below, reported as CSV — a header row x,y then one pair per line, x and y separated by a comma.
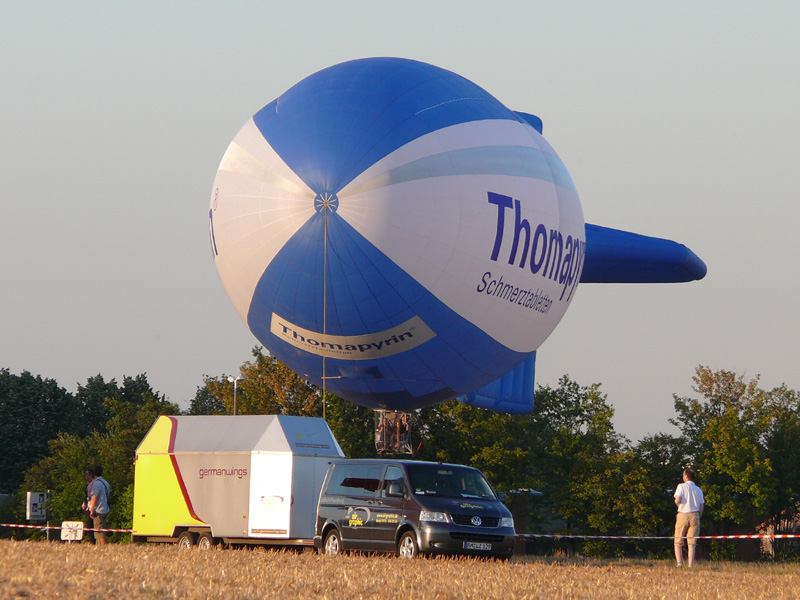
x,y
354,518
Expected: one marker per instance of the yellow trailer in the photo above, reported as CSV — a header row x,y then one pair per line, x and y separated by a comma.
x,y
251,479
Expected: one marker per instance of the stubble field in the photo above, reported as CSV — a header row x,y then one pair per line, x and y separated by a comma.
x,y
57,570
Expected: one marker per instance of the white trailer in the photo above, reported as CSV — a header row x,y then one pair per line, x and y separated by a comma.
x,y
239,480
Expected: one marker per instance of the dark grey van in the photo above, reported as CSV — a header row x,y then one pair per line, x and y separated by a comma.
x,y
410,507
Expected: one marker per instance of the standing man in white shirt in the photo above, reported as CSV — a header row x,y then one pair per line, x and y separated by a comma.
x,y
690,502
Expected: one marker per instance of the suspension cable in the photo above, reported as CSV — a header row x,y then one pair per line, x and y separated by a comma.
x,y
324,304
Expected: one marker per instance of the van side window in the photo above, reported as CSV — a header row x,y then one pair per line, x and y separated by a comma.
x,y
355,480
393,475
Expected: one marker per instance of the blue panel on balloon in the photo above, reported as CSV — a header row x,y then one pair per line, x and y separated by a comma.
x,y
327,138
512,393
366,292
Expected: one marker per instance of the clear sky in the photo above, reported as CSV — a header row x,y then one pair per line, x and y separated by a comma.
x,y
676,120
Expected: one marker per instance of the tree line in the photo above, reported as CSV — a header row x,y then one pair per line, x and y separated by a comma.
x,y
564,467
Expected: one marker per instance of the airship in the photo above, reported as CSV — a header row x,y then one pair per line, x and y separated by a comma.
x,y
397,236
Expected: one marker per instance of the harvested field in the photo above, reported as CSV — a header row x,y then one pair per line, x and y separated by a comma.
x,y
57,570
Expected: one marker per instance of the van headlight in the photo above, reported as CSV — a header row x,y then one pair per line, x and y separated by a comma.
x,y
507,522
436,517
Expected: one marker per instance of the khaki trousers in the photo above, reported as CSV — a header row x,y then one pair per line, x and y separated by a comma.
x,y
687,525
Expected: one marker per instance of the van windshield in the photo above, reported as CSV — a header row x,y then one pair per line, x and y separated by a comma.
x,y
449,481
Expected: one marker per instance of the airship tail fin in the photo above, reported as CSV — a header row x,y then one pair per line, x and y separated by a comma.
x,y
512,393
531,120
614,256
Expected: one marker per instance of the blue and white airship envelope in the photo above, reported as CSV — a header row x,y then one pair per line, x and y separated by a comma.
x,y
391,231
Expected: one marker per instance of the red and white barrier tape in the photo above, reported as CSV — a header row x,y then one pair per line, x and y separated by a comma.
x,y
59,527
758,536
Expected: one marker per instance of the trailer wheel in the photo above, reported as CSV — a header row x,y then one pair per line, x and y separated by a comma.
x,y
186,540
206,541
407,546
333,543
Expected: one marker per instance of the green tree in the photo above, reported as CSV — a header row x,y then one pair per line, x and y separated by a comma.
x,y
352,426
91,404
133,408
205,403
441,438
269,387
661,459
33,411
628,495
725,432
130,421
782,440
61,473
578,438
566,448
502,446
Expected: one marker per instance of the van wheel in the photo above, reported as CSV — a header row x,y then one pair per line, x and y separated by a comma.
x,y
407,546
186,540
333,543
206,541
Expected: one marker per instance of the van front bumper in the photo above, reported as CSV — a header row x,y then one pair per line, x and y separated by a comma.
x,y
477,541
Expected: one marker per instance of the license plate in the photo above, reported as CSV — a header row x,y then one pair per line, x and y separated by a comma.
x,y
477,546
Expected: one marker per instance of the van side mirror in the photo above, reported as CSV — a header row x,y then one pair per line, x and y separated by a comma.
x,y
502,497
395,490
